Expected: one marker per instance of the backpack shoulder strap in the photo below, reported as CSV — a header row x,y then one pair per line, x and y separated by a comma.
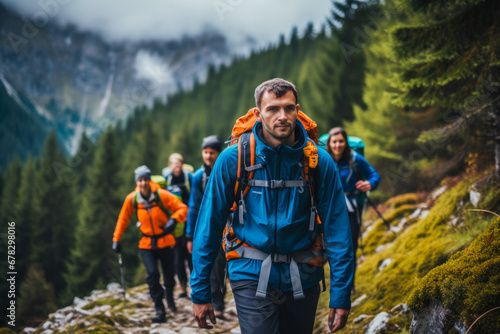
x,y
352,165
160,203
246,168
186,180
169,179
204,179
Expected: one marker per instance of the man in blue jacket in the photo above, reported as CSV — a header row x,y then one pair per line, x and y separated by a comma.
x,y
278,293
210,150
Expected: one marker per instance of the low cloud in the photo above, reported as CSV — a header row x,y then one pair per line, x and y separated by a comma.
x,y
241,21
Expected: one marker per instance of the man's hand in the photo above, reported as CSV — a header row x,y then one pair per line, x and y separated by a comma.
x,y
363,186
189,246
200,312
337,318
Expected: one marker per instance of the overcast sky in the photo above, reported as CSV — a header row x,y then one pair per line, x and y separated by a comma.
x,y
239,20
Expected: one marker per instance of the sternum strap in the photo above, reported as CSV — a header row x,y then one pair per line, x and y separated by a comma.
x,y
273,184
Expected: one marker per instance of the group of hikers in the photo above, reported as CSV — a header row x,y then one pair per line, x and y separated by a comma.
x,y
267,212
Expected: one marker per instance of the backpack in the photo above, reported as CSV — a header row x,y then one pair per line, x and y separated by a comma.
x,y
179,228
243,136
355,143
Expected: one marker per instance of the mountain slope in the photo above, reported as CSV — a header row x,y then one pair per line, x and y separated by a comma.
x,y
81,82
21,132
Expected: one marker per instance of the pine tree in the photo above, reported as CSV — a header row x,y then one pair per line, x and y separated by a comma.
x,y
388,132
80,163
92,260
10,195
449,53
37,298
343,63
54,235
28,217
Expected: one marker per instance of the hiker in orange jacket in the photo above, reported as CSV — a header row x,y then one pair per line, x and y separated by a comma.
x,y
153,206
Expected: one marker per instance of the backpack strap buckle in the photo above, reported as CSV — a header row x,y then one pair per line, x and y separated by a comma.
x,y
277,184
281,258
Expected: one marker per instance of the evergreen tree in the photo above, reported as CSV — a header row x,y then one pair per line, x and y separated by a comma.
x,y
54,234
91,262
10,193
388,132
343,64
28,217
146,147
80,163
37,298
450,59
10,196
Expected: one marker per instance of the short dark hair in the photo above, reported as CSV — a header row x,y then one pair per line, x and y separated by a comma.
x,y
346,155
278,86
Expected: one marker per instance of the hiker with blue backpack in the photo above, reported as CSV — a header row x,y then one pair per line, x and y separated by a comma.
x,y
357,175
279,203
210,150
158,213
178,182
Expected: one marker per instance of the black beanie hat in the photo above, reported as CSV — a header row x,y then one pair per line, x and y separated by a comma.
x,y
212,142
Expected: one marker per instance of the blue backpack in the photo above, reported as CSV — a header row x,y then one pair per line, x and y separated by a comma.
x,y
355,143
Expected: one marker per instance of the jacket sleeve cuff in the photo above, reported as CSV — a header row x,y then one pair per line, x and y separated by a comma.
x,y
343,302
199,301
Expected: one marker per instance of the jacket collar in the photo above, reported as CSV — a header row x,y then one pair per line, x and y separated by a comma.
x,y
295,153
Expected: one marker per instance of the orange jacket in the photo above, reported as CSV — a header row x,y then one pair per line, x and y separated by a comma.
x,y
151,222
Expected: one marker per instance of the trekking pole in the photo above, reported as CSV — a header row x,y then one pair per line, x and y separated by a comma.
x,y
378,212
121,273
361,229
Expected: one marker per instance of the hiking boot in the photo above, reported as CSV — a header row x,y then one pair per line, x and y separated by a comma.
x,y
183,294
171,304
219,315
161,315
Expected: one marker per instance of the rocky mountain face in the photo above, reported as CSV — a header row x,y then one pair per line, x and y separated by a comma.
x,y
77,81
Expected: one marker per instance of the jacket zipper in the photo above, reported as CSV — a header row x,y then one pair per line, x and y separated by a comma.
x,y
151,222
276,215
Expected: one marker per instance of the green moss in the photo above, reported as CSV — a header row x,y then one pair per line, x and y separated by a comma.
x,y
98,328
399,324
379,235
468,284
420,248
490,195
6,330
411,198
428,243
104,301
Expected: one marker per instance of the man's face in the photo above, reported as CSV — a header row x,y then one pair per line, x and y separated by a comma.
x,y
278,117
209,156
143,184
176,166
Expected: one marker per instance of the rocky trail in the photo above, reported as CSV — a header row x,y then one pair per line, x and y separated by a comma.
x,y
105,311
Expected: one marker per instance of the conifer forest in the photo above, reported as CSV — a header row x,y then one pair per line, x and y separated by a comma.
x,y
417,80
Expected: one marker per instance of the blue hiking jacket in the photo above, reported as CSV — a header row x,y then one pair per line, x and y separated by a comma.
x,y
276,220
365,170
194,200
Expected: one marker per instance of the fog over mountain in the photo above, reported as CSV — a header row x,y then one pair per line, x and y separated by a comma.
x,y
245,24
80,65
